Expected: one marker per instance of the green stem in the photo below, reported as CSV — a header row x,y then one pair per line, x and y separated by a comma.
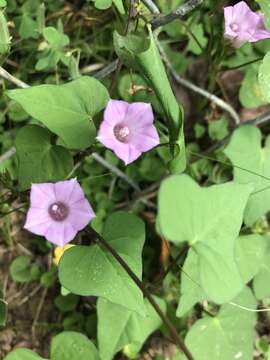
x,y
173,332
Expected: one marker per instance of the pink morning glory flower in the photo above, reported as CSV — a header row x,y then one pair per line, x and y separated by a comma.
x,y
58,211
243,25
128,129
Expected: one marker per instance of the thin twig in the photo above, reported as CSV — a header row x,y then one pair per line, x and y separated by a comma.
x,y
39,308
116,171
30,295
179,12
151,6
12,151
6,75
173,332
260,120
173,263
211,97
8,154
107,70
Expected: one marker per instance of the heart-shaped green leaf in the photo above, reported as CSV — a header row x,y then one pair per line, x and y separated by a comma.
x,y
38,160
245,151
67,110
118,327
227,336
71,345
209,219
23,354
90,270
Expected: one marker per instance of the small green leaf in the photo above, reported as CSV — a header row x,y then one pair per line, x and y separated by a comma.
x,y
103,4
70,345
218,129
23,354
209,219
227,336
20,269
55,38
118,327
28,27
48,279
66,303
92,271
3,3
245,151
198,33
250,93
38,160
67,110
16,112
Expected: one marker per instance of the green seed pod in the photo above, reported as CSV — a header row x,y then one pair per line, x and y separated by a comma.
x,y
4,35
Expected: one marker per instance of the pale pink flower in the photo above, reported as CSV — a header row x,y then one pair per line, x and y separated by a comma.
x,y
58,211
128,129
244,25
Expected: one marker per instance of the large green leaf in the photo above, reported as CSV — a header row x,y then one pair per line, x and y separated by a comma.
x,y
209,219
250,93
264,4
262,279
39,160
142,54
118,327
245,151
90,270
4,34
249,253
227,336
23,354
264,77
191,290
71,345
67,110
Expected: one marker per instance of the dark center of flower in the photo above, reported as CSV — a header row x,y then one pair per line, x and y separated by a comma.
x,y
58,211
234,27
121,132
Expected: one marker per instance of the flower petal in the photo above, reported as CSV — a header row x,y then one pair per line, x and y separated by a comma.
x,y
106,134
60,233
81,217
41,195
139,115
115,112
146,139
128,153
37,221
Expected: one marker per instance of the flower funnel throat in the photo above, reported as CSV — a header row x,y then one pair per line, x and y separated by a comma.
x,y
58,211
121,133
128,129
